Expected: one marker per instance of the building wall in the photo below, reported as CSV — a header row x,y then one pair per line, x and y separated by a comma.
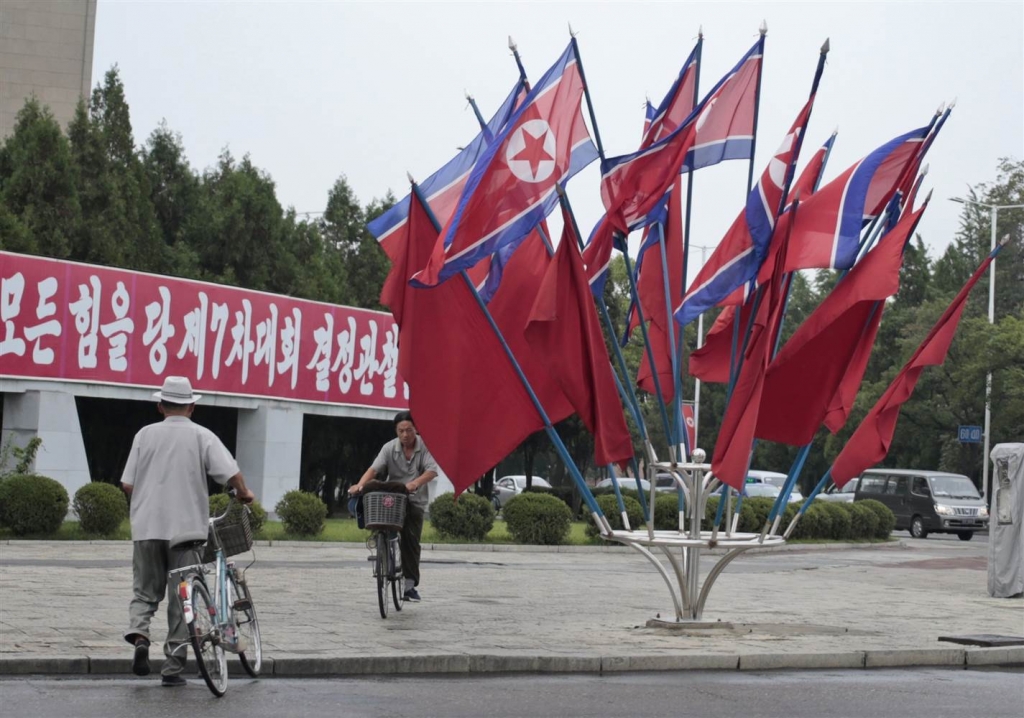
x,y
46,50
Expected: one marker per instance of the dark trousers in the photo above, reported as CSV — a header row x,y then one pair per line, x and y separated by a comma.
x,y
151,560
411,532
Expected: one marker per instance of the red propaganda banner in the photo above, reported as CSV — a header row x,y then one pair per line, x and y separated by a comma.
x,y
78,322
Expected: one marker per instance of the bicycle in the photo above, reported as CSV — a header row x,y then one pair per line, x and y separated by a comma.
x,y
384,515
224,622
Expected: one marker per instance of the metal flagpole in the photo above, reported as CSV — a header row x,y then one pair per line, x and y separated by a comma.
x,y
563,453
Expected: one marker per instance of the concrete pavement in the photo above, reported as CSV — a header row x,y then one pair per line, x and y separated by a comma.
x,y
487,609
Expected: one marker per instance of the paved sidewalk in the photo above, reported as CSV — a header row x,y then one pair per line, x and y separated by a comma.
x,y
64,606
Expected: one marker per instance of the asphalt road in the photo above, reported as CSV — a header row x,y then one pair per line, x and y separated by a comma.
x,y
920,693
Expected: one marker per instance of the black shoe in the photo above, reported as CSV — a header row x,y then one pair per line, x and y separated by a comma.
x,y
140,661
412,595
173,681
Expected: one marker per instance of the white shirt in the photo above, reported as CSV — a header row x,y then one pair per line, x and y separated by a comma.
x,y
167,469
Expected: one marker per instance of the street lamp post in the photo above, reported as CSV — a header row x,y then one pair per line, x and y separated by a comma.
x,y
994,211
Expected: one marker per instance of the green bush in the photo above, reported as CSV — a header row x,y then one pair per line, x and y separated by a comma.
x,y
610,507
666,512
563,493
32,504
534,518
886,518
840,520
302,513
257,514
864,521
816,522
469,517
100,508
754,513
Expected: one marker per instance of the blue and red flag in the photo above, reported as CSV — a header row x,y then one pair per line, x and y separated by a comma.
x,y
633,185
826,235
512,186
741,252
443,188
810,177
677,105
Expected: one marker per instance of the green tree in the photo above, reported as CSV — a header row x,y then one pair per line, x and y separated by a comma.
x,y
39,210
365,266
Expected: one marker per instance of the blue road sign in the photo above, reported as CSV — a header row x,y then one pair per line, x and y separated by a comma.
x,y
969,434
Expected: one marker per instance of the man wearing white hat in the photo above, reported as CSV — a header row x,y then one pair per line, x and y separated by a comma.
x,y
165,477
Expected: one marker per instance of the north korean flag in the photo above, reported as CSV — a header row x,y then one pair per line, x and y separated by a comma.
x,y
512,187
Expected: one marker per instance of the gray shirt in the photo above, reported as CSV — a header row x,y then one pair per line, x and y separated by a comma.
x,y
392,458
167,469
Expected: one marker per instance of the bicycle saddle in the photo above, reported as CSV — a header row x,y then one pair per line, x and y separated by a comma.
x,y
187,540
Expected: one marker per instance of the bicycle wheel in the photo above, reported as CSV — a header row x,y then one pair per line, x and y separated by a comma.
x,y
382,569
244,613
205,637
397,592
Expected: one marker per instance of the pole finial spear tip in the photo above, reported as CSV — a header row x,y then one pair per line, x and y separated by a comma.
x,y
942,108
409,175
469,97
953,103
700,31
826,47
764,27
511,44
924,170
571,33
929,197
1005,240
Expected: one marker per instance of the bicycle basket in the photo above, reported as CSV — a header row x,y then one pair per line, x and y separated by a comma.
x,y
382,510
234,531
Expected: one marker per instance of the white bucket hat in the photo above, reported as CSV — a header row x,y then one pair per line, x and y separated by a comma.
x,y
177,390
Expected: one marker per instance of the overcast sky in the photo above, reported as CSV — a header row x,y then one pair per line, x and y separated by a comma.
x,y
314,90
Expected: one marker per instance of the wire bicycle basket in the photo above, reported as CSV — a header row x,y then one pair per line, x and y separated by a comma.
x,y
384,511
232,531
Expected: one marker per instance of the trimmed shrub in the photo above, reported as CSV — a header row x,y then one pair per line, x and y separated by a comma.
x,y
840,520
469,517
666,512
100,508
886,518
864,521
563,493
257,517
32,504
610,507
754,513
816,522
537,519
302,513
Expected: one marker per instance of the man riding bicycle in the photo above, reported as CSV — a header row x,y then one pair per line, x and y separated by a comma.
x,y
406,460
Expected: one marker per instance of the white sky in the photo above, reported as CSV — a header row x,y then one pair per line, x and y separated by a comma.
x,y
313,90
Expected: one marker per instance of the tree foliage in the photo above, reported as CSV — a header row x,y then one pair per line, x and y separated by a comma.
x,y
92,194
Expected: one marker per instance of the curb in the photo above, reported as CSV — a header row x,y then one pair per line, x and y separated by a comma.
x,y
465,664
501,548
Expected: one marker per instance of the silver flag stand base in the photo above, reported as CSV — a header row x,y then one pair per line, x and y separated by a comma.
x,y
681,549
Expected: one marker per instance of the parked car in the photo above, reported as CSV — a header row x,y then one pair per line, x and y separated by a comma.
x,y
508,486
768,490
842,495
773,478
626,483
926,501
664,483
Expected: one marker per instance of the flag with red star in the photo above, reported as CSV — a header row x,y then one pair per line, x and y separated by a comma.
x,y
512,187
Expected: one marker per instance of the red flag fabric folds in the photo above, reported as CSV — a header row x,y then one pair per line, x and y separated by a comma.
x,y
870,442
819,370
565,334
736,437
457,371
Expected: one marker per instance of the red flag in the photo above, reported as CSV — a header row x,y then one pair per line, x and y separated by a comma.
x,y
818,372
457,371
870,442
650,288
565,334
711,362
736,437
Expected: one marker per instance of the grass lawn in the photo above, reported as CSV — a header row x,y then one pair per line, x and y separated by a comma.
x,y
334,530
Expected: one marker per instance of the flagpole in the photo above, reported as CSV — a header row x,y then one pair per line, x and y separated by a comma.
x,y
563,453
678,378
798,143
625,247
563,198
733,357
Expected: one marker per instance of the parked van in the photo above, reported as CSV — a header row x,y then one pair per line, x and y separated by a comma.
x,y
926,501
